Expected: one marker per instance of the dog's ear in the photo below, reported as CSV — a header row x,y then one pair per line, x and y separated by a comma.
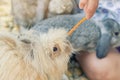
x,y
26,48
26,38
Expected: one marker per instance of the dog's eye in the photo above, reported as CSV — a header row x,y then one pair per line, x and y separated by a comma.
x,y
116,33
55,49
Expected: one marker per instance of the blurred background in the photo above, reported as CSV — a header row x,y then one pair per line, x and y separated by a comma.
x,y
6,20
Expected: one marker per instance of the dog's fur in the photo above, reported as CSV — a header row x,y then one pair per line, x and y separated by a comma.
x,y
32,56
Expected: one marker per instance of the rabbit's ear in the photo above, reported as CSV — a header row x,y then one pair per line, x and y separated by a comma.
x,y
103,45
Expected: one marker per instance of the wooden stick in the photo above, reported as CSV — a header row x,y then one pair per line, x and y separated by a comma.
x,y
76,26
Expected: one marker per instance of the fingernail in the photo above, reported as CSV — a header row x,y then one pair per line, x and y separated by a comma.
x,y
87,17
81,6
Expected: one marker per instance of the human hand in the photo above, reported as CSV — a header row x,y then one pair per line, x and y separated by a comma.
x,y
89,6
107,68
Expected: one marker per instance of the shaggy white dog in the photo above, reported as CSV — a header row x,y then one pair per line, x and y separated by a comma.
x,y
32,56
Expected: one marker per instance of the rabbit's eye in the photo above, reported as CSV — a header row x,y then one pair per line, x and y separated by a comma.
x,y
55,49
116,33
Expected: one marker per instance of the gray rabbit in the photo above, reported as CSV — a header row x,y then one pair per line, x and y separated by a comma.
x,y
91,35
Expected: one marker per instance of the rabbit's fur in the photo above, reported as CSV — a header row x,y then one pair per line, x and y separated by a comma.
x,y
61,6
28,12
32,56
91,35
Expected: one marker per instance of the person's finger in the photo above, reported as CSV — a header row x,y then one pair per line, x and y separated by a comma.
x,y
82,3
91,8
85,10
